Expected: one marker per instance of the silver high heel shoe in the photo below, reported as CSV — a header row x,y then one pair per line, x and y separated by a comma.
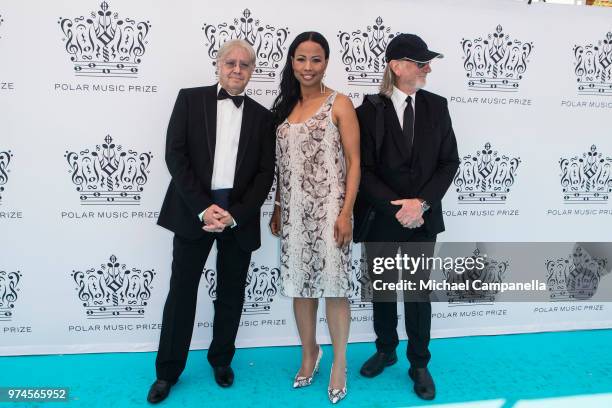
x,y
300,381
336,395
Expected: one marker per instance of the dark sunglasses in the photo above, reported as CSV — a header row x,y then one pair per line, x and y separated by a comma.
x,y
420,65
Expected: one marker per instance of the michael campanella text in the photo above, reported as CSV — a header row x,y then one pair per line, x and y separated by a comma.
x,y
476,284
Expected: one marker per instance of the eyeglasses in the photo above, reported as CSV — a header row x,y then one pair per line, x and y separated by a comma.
x,y
231,64
420,65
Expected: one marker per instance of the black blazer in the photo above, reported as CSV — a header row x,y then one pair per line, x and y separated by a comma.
x,y
190,152
394,174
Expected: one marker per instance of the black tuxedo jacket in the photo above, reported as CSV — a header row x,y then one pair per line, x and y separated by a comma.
x,y
395,174
190,152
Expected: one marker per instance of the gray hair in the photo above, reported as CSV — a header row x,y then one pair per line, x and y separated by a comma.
x,y
236,43
388,80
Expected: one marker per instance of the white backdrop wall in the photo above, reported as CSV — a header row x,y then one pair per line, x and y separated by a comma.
x,y
83,266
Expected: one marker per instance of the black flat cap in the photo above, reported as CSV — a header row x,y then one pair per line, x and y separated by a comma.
x,y
409,46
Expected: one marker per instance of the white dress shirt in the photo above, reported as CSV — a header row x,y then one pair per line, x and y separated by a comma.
x,y
229,121
399,103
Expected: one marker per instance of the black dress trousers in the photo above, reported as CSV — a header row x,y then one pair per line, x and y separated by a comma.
x,y
189,258
417,307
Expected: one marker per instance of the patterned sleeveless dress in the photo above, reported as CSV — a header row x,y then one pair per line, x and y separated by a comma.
x,y
312,183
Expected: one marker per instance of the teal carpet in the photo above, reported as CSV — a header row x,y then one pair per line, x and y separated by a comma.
x,y
467,370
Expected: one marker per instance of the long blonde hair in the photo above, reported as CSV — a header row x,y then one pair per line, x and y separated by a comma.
x,y
388,81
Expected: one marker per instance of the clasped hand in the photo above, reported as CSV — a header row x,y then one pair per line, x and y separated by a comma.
x,y
216,219
410,215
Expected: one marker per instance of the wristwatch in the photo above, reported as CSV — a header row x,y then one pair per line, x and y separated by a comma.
x,y
424,205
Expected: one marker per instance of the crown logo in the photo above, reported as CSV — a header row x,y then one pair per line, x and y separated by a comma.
x,y
5,160
9,282
575,277
593,67
496,63
262,285
363,53
105,45
113,290
485,177
360,286
108,174
494,271
268,42
586,178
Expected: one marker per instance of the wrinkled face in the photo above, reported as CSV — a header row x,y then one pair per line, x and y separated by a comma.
x,y
309,63
409,75
235,70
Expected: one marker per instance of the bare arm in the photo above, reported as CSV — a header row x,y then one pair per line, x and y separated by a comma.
x,y
348,125
276,218
346,119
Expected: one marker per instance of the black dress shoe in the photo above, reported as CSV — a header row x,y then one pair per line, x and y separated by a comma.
x,y
224,376
159,391
424,385
377,363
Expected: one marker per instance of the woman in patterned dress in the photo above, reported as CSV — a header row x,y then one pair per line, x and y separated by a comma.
x,y
317,151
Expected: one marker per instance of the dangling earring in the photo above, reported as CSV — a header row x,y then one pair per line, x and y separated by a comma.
x,y
323,87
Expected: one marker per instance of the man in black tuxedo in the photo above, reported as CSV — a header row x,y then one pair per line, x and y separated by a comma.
x,y
409,158
220,154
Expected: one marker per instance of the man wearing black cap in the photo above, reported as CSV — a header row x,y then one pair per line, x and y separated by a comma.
x,y
409,158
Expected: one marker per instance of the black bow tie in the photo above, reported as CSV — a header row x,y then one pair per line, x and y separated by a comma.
x,y
236,99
